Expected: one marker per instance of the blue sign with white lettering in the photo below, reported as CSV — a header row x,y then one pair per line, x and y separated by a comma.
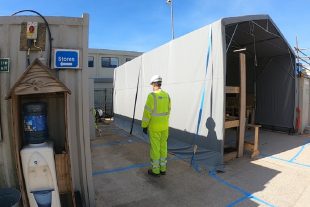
x,y
65,58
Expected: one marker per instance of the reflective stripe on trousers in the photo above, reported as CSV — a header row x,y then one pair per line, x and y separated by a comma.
x,y
163,161
163,164
155,166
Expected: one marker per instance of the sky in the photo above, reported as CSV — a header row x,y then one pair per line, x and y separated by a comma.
x,y
141,25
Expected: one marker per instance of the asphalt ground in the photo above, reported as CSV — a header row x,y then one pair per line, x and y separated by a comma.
x,y
280,176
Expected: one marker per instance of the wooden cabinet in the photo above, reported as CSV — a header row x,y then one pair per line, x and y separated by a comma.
x,y
37,83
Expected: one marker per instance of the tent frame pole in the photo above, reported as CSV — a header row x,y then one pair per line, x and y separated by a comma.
x,y
242,115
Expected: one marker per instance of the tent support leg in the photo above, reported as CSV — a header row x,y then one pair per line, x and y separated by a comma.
x,y
242,59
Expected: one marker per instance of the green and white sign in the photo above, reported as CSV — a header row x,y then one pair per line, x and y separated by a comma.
x,y
4,64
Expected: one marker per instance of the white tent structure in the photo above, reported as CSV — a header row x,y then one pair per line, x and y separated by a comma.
x,y
196,68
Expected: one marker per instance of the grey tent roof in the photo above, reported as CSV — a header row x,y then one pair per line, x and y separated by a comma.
x,y
264,31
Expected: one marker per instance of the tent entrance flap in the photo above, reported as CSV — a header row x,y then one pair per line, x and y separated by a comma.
x,y
270,99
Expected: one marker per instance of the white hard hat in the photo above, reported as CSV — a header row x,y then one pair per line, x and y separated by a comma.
x,y
156,78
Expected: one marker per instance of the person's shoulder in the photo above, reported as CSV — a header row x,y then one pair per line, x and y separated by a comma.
x,y
165,92
150,95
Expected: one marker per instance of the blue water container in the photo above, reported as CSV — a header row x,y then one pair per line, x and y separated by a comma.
x,y
9,197
35,122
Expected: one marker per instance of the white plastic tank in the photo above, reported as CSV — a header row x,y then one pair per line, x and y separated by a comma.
x,y
40,175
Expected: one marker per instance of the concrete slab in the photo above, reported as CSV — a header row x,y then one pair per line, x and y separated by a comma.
x,y
304,198
120,178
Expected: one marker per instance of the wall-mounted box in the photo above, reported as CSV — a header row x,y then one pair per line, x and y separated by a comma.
x,y
40,39
32,30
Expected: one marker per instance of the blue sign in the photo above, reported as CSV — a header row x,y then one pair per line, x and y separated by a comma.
x,y
66,58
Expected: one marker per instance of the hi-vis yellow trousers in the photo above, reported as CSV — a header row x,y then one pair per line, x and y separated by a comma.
x,y
158,150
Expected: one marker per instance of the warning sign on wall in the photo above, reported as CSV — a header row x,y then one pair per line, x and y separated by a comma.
x,y
4,64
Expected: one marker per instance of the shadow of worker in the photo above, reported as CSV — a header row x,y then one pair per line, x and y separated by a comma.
x,y
212,141
211,151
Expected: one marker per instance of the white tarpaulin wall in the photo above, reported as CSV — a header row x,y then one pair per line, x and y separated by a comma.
x,y
194,71
188,77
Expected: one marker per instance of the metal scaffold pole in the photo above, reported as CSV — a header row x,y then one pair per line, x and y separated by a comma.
x,y
170,2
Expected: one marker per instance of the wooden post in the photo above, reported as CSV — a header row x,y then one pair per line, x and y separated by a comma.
x,y
15,111
68,150
242,62
255,150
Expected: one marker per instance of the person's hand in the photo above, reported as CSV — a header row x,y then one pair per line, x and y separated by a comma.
x,y
144,130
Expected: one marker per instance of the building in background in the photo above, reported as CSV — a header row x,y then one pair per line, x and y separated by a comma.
x,y
101,65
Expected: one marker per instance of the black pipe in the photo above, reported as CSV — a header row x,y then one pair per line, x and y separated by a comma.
x,y
48,30
28,60
134,109
105,102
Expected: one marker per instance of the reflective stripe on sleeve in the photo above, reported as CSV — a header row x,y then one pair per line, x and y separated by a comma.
x,y
145,119
148,108
160,114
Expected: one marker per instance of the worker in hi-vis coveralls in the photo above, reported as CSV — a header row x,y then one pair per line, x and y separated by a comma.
x,y
155,123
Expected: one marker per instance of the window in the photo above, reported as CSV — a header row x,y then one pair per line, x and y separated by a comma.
x,y
90,61
109,62
128,59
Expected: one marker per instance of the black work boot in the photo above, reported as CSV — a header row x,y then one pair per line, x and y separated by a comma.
x,y
150,172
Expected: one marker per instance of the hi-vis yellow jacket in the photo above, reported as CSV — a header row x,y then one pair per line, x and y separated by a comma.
x,y
156,111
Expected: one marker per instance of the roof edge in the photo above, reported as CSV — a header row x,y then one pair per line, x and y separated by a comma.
x,y
36,61
233,20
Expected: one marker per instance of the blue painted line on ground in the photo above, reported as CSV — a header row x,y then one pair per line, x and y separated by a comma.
x,y
261,201
245,193
238,201
113,143
303,165
122,169
196,167
298,153
211,174
283,160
